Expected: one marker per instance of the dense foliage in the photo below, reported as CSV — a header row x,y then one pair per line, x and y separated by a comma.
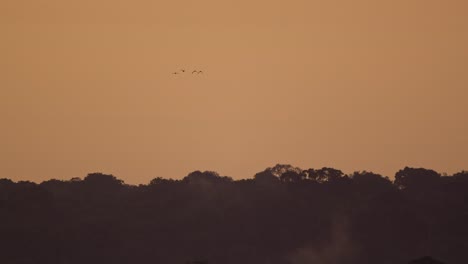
x,y
282,215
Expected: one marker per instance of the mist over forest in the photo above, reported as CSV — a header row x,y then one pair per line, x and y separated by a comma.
x,y
282,215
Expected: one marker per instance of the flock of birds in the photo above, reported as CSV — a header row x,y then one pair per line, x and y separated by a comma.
x,y
183,71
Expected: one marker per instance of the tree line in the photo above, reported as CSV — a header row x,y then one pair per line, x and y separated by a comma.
x,y
283,215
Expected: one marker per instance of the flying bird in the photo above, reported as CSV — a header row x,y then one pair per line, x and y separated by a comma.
x,y
175,73
182,70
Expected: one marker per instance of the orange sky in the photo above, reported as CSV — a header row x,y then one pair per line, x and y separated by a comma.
x,y
86,86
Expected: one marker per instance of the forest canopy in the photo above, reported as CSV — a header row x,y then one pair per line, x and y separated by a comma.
x,y
282,215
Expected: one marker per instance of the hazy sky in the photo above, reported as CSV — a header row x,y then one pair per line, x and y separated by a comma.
x,y
86,86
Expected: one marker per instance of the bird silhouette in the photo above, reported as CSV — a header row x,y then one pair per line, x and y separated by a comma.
x,y
194,71
182,70
175,73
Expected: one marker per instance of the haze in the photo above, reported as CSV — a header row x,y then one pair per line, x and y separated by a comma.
x,y
87,86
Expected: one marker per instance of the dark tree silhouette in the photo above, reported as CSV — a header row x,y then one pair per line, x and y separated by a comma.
x,y
325,174
284,215
102,180
292,176
416,177
266,176
206,177
371,181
